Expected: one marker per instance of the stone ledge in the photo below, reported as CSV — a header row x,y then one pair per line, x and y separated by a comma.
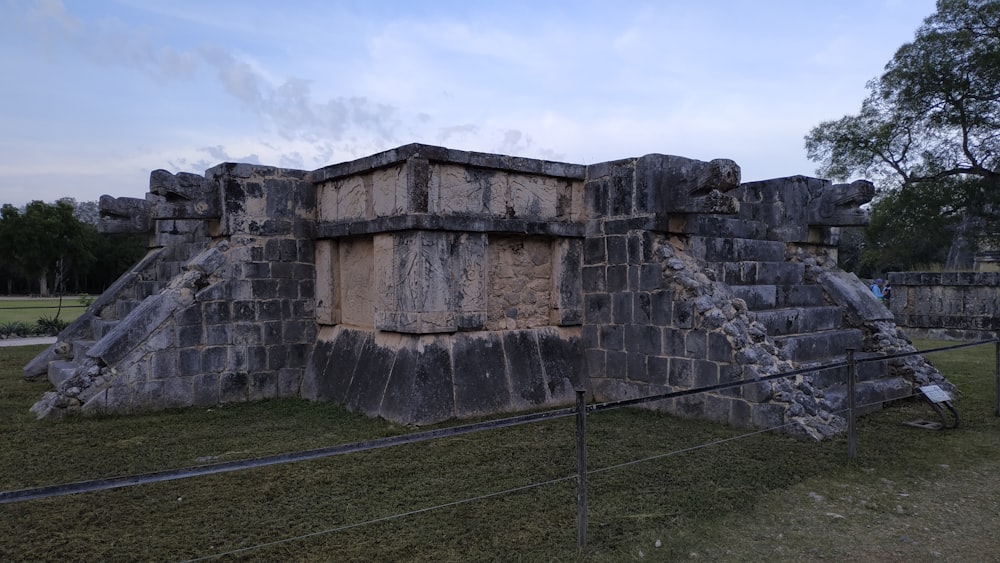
x,y
428,222
442,154
944,278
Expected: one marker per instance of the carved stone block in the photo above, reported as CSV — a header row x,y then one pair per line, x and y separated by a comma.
x,y
124,215
183,196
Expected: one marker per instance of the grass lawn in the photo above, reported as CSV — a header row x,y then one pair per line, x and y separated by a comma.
x,y
30,310
911,495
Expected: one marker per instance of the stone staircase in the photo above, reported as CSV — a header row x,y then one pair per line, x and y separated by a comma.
x,y
69,354
73,347
74,351
803,323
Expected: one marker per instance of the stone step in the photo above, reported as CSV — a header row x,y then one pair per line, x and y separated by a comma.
x,y
767,273
759,297
145,288
819,345
799,320
61,370
717,226
866,371
799,295
125,306
719,249
869,395
99,327
166,270
80,348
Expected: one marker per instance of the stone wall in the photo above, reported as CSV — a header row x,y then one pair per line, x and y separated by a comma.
x,y
946,305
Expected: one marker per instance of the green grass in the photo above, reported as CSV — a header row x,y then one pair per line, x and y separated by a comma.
x,y
30,310
742,500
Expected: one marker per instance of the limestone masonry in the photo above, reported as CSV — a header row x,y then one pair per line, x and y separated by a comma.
x,y
947,305
423,283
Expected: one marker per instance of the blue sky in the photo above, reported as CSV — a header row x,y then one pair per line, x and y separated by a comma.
x,y
96,94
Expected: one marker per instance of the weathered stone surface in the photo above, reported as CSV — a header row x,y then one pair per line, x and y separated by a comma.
x,y
520,283
124,215
674,184
524,368
357,258
137,327
328,287
796,320
233,387
820,345
335,379
846,289
949,305
205,390
430,282
419,389
790,206
562,361
481,383
840,204
370,377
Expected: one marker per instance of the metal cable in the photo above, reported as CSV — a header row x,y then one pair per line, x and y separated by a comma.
x,y
155,477
688,449
483,497
35,493
59,490
523,488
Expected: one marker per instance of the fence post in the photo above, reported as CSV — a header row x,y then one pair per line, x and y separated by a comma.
x,y
581,469
851,403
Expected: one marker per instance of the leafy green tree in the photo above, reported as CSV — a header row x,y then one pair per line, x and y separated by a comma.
x,y
849,250
10,267
44,244
910,229
115,254
47,239
930,127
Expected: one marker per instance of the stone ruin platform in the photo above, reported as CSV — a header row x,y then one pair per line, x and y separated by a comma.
x,y
423,283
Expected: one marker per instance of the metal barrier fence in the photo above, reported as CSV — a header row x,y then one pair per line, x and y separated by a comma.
x,y
580,411
851,360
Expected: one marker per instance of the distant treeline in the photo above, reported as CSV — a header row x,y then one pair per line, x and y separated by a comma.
x,y
54,248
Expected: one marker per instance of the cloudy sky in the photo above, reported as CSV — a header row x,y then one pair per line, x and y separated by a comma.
x,y
96,94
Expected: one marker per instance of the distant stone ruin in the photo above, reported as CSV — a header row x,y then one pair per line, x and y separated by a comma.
x,y
947,305
423,284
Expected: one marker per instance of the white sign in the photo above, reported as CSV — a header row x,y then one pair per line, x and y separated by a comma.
x,y
935,394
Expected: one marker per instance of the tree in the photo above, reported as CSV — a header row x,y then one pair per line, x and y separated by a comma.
x,y
115,253
10,267
59,243
915,238
88,212
930,125
46,239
